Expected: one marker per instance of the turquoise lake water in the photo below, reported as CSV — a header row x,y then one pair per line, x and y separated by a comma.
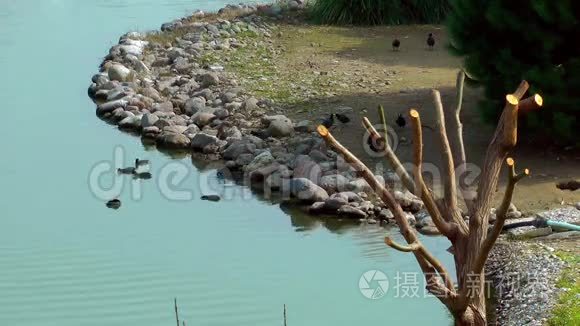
x,y
65,259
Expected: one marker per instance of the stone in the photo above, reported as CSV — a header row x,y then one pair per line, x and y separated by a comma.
x,y
244,159
333,204
316,208
428,230
119,72
194,105
250,104
333,183
203,118
163,107
130,122
408,201
528,233
148,120
281,128
577,205
238,148
173,140
305,167
349,196
307,191
229,133
176,129
351,212
359,185
110,106
261,160
162,123
209,79
386,214
304,126
201,140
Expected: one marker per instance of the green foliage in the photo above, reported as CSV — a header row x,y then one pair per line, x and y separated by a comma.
x,y
567,312
503,42
379,12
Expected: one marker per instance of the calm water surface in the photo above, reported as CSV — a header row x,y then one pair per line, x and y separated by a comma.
x,y
65,259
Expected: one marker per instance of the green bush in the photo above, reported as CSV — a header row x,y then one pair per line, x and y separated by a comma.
x,y
379,12
503,42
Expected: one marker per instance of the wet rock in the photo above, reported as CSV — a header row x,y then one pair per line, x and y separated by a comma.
x,y
173,140
408,201
307,191
351,212
349,196
201,140
261,160
237,148
130,122
333,204
113,204
148,120
386,214
110,106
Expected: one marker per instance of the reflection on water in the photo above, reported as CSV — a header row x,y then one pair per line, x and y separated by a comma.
x,y
66,259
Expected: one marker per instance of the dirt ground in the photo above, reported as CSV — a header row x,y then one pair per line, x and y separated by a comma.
x,y
316,69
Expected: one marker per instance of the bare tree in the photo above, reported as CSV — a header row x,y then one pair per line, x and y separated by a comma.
x,y
471,239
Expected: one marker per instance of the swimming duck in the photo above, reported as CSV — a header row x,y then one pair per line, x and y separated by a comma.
x,y
129,170
139,162
430,41
142,175
113,203
210,197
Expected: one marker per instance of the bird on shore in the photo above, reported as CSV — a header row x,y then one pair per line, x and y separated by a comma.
x,y
139,162
328,122
396,44
401,122
342,118
129,170
430,41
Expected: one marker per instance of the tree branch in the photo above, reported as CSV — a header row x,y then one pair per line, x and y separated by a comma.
x,y
391,157
501,214
391,243
449,182
531,103
446,228
429,265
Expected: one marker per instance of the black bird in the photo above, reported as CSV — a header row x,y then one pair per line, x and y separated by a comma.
x,y
342,118
210,197
396,44
401,122
142,175
328,122
113,203
430,41
129,170
139,162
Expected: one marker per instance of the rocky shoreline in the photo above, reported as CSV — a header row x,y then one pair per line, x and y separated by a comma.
x,y
160,86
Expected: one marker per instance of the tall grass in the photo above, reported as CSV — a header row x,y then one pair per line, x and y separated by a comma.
x,y
379,12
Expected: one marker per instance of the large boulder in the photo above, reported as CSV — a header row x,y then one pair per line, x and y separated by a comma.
x,y
201,140
282,127
307,191
119,72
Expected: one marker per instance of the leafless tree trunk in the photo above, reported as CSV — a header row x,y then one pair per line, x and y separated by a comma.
x,y
471,240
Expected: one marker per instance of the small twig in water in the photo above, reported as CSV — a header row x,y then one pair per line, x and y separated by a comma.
x,y
176,313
